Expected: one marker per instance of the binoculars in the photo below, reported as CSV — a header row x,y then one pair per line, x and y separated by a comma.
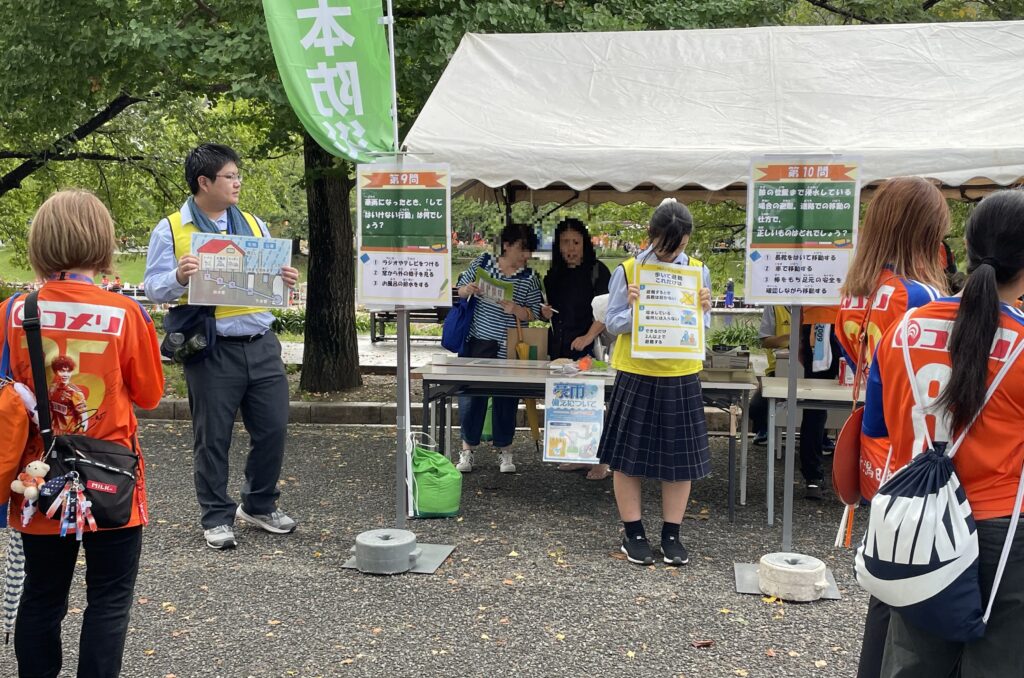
x,y
182,349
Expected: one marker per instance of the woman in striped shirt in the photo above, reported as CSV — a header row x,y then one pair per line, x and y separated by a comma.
x,y
488,334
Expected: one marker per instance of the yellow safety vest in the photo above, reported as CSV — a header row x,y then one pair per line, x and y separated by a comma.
x,y
782,324
182,235
622,355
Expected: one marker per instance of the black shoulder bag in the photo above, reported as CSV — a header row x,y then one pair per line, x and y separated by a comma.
x,y
91,482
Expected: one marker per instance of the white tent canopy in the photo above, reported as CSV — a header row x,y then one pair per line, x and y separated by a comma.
x,y
631,116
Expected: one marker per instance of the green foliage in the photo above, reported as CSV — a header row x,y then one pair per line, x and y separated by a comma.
x,y
158,319
6,290
739,333
290,320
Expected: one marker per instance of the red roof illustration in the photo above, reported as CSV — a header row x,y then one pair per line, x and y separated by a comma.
x,y
216,246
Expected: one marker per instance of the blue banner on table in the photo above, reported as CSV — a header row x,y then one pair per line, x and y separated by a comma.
x,y
573,419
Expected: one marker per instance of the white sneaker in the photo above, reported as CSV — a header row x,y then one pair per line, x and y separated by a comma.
x,y
465,461
506,465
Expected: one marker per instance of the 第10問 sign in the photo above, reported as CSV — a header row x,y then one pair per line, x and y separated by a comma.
x,y
801,228
404,235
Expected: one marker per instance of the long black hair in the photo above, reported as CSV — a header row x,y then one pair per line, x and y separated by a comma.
x,y
995,256
558,263
670,223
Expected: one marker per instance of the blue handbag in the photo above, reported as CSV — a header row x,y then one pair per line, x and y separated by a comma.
x,y
455,331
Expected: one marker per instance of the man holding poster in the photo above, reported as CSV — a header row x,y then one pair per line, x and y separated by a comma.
x,y
242,370
655,427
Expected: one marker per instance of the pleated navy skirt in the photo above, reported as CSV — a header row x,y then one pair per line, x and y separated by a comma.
x,y
655,428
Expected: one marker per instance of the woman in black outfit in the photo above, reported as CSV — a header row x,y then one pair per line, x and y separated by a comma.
x,y
575,278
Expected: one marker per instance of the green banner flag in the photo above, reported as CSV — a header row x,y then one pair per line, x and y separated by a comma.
x,y
333,60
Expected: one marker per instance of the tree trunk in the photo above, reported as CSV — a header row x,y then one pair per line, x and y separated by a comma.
x,y
331,357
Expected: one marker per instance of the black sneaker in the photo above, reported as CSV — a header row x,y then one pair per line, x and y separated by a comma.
x,y
760,439
638,550
813,492
673,552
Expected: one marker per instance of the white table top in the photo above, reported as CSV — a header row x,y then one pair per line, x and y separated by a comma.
x,y
807,389
499,370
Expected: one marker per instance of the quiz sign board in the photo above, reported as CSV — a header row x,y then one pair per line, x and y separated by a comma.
x,y
801,229
404,235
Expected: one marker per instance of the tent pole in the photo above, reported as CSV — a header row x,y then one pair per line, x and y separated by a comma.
x,y
510,199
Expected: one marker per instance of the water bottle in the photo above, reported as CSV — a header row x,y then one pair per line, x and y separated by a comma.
x,y
729,293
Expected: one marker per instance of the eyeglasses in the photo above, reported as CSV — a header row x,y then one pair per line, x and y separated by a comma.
x,y
231,177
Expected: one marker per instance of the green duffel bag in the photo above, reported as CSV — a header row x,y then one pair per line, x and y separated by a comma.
x,y
437,484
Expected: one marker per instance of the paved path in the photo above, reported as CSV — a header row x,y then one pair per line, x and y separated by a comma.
x,y
534,587
381,354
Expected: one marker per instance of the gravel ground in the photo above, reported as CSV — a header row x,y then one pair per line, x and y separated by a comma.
x,y
535,585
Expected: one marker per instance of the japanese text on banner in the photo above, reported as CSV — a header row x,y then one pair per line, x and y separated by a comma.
x,y
404,239
801,229
573,419
333,59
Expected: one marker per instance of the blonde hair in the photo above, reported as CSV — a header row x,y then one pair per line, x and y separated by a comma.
x,y
72,229
904,227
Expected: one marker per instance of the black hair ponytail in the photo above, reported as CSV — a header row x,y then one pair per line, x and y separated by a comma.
x,y
670,223
995,253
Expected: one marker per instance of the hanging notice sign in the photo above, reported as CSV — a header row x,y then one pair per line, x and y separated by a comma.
x,y
573,419
668,321
404,235
801,229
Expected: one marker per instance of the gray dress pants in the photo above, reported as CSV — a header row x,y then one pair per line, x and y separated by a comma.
x,y
247,377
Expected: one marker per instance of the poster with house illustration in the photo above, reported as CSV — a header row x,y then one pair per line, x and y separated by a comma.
x,y
236,270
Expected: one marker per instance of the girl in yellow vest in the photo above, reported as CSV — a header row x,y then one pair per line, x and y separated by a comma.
x,y
655,426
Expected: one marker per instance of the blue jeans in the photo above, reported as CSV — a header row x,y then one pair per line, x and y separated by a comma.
x,y
473,409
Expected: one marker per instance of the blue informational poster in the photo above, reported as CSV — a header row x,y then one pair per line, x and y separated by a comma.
x,y
573,419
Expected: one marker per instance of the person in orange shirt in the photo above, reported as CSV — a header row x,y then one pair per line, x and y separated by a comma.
x,y
112,342
956,346
895,268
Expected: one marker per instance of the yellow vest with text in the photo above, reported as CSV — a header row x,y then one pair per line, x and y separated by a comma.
x,y
182,235
782,321
622,355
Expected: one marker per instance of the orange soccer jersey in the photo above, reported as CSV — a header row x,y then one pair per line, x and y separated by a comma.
x,y
893,296
989,461
101,357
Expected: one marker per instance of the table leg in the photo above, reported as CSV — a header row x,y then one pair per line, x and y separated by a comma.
x,y
434,420
446,425
732,478
744,442
770,458
425,423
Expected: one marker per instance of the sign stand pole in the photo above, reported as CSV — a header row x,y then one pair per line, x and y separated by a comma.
x,y
787,482
802,215
379,546
403,424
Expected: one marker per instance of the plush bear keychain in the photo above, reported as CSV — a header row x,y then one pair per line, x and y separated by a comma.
x,y
31,479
